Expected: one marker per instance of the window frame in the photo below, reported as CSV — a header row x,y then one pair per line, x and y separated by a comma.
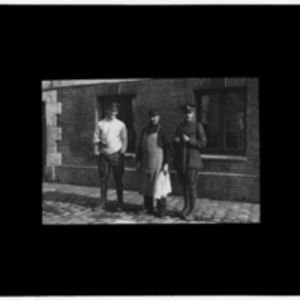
x,y
222,93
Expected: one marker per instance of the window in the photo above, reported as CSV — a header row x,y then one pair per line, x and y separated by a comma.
x,y
222,113
125,114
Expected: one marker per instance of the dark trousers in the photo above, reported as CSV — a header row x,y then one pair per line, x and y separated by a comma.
x,y
148,203
106,163
188,181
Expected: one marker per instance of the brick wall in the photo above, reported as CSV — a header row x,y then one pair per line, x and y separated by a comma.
x,y
78,124
79,113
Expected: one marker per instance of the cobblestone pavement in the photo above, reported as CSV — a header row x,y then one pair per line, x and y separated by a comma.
x,y
69,204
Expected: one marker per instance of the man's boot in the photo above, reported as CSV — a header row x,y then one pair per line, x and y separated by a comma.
x,y
193,202
103,191
120,195
146,204
163,204
186,208
158,207
150,205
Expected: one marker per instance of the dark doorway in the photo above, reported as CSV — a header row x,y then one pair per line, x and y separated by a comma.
x,y
44,138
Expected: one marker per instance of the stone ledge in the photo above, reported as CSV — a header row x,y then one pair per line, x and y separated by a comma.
x,y
209,157
223,157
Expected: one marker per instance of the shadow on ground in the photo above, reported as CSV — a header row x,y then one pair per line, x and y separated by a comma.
x,y
90,202
86,202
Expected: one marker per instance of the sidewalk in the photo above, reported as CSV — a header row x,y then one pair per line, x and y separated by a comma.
x,y
70,204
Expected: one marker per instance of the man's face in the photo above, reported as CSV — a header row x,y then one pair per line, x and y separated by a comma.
x,y
189,116
154,119
112,113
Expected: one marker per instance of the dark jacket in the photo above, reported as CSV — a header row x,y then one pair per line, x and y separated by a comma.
x,y
187,154
162,142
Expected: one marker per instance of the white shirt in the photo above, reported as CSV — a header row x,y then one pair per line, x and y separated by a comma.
x,y
113,133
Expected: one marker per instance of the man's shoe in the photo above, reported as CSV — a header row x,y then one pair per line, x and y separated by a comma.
x,y
120,206
101,205
150,212
184,212
162,208
186,208
98,205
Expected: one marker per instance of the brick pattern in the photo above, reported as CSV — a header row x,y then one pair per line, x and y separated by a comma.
x,y
78,123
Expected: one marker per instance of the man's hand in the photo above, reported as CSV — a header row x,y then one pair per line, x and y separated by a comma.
x,y
103,144
96,152
177,139
185,138
165,169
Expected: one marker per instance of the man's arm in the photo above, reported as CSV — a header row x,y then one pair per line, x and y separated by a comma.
x,y
96,140
176,139
166,146
124,139
200,141
138,156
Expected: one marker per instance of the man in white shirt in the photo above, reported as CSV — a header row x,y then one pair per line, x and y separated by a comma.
x,y
110,139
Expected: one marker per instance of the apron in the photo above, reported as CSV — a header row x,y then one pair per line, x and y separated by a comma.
x,y
151,164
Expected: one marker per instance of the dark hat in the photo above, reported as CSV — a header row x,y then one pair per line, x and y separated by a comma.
x,y
153,112
114,106
188,108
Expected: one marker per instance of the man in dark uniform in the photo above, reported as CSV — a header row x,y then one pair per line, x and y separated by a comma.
x,y
189,139
110,139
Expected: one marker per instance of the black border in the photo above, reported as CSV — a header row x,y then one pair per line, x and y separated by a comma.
x,y
91,42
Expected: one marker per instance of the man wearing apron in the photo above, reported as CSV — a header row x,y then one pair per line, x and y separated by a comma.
x,y
152,158
189,139
110,139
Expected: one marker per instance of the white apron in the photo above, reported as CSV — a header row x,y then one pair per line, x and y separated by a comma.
x,y
151,164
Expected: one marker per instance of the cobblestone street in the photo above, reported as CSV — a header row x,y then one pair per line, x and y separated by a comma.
x,y
69,204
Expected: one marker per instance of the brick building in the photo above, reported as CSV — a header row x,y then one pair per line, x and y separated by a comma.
x,y
227,108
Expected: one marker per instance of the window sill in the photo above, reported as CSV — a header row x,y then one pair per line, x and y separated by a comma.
x,y
211,157
223,157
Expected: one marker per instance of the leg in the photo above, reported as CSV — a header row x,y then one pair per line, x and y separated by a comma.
x,y
103,194
192,190
150,205
118,170
103,170
146,203
158,206
182,179
162,207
